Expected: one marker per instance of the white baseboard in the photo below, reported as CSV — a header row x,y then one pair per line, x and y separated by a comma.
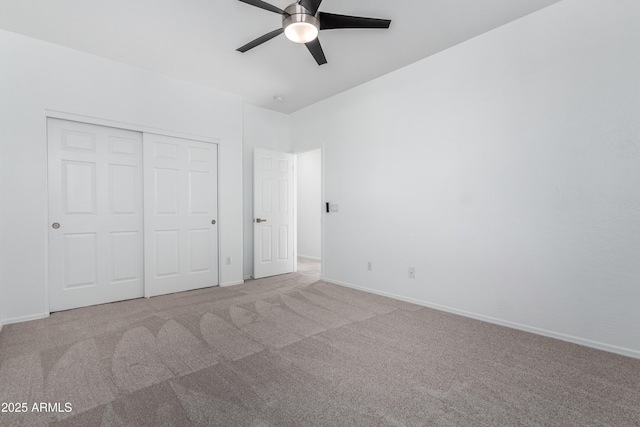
x,y
534,330
313,258
25,318
238,282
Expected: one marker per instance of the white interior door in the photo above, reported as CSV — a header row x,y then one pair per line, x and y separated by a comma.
x,y
180,204
95,214
273,217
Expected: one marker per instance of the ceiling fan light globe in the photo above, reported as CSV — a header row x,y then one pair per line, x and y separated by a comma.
x,y
301,32
299,25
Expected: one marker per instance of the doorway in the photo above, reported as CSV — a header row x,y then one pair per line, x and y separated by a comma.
x,y
309,212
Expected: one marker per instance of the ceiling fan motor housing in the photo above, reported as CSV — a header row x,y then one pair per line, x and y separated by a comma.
x,y
302,25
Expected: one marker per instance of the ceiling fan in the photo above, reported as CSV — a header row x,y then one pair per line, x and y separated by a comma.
x,y
301,23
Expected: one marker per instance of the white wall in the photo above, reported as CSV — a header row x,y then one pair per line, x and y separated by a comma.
x,y
309,175
35,76
262,129
506,170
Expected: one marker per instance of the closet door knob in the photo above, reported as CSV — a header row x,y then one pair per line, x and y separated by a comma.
x,y
55,225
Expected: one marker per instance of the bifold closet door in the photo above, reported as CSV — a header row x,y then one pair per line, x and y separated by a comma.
x,y
95,214
180,220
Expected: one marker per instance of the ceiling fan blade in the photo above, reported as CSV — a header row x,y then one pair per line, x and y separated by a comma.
x,y
330,21
316,50
311,5
263,5
260,40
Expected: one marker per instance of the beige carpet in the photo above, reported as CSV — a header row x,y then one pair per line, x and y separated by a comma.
x,y
293,351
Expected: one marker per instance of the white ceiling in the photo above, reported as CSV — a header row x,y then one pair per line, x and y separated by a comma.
x,y
195,40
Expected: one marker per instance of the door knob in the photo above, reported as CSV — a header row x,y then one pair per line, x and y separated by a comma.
x,y
55,225
213,221
261,220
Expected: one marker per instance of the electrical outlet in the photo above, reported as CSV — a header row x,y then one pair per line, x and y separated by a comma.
x,y
369,265
228,260
412,273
